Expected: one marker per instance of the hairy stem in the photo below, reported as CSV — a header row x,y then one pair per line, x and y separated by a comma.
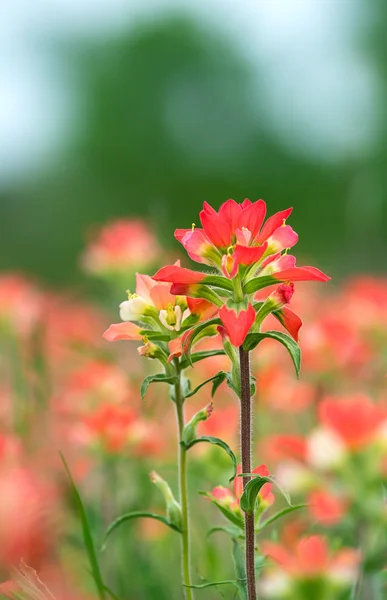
x,y
182,466
246,467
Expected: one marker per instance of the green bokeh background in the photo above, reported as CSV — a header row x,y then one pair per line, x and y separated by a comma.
x,y
168,114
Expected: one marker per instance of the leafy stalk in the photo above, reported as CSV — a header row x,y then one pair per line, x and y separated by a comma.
x,y
182,467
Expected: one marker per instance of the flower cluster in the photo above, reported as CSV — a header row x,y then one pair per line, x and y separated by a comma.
x,y
248,254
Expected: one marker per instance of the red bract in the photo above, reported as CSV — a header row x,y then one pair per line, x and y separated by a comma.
x,y
237,325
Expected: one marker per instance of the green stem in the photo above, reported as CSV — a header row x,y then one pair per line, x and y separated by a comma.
x,y
185,536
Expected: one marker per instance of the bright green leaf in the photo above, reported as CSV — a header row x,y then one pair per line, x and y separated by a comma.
x,y
278,515
135,515
234,533
251,491
219,377
253,339
216,442
213,584
157,378
197,356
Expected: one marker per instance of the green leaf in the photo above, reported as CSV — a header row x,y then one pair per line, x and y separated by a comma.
x,y
87,537
196,356
158,377
218,281
253,339
240,570
278,515
217,379
234,533
135,515
230,516
212,584
251,491
111,593
254,486
216,442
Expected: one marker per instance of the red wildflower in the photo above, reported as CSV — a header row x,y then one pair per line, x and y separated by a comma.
x,y
355,419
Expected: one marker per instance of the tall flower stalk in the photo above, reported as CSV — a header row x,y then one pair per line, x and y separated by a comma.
x,y
248,254
183,491
245,439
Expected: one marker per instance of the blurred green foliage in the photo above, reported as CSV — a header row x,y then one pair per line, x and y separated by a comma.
x,y
165,120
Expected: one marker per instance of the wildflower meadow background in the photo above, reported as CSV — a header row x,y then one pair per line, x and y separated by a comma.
x,y
117,121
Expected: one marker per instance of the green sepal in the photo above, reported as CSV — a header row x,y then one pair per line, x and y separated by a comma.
x,y
87,537
157,378
231,516
216,442
155,335
258,283
253,339
135,515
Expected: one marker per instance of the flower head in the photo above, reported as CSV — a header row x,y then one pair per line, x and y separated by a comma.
x,y
248,254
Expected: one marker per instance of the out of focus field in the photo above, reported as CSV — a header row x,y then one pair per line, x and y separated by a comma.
x,y
116,122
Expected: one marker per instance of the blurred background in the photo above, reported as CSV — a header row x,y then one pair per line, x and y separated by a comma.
x,y
126,115
121,107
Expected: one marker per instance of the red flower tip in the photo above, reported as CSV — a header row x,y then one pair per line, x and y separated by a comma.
x,y
177,274
284,292
237,325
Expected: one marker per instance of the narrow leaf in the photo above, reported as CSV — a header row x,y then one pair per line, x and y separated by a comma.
x,y
234,533
253,339
278,515
240,570
135,515
212,584
87,537
216,442
157,378
197,356
218,377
